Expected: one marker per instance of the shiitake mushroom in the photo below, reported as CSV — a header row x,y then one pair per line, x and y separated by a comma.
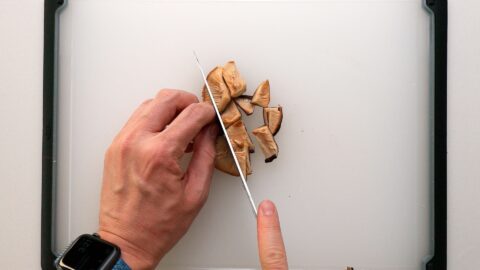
x,y
245,103
224,160
238,131
219,89
267,143
236,84
231,115
261,97
273,116
228,89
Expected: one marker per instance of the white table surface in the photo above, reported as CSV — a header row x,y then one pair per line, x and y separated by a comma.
x,y
21,53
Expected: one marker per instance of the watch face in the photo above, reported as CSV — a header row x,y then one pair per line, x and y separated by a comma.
x,y
88,253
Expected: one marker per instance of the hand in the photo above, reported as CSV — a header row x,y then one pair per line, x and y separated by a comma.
x,y
270,243
147,201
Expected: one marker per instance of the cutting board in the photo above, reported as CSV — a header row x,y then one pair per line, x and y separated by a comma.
x,y
352,181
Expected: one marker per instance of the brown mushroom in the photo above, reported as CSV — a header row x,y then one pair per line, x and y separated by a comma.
x,y
261,97
243,158
245,103
231,115
267,143
219,89
236,84
238,131
225,162
272,117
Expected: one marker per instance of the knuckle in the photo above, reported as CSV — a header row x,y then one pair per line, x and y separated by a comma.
x,y
123,145
162,155
196,199
273,227
198,110
173,94
165,93
275,258
209,154
146,102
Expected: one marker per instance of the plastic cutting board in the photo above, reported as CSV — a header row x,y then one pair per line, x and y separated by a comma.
x,y
353,180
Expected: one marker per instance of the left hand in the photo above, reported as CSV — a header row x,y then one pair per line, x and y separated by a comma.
x,y
148,202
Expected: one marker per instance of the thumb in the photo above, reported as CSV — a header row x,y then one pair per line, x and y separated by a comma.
x,y
270,243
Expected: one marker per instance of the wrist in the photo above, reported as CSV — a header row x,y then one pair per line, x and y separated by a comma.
x,y
133,256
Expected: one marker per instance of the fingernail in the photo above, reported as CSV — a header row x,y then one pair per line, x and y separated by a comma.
x,y
267,208
213,130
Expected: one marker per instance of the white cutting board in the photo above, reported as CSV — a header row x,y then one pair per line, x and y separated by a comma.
x,y
352,180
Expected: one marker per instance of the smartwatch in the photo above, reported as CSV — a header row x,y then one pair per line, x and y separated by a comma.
x,y
89,252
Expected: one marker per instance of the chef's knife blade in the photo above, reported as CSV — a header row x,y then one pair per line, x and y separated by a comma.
x,y
230,146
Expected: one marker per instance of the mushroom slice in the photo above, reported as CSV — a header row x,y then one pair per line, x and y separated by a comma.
x,y
225,162
236,84
248,164
245,103
272,117
267,142
238,132
223,159
231,115
220,91
261,97
243,158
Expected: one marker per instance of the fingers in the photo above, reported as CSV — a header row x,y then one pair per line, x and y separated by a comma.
x,y
188,124
270,243
138,111
199,173
162,110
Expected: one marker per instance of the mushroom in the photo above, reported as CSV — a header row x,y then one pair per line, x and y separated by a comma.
x,y
220,91
245,103
236,84
228,90
238,131
231,115
261,97
243,158
272,116
225,162
267,143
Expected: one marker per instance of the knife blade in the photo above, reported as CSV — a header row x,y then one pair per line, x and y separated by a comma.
x,y
230,146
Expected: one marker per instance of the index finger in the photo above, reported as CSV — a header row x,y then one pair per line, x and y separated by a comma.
x,y
162,110
188,124
270,242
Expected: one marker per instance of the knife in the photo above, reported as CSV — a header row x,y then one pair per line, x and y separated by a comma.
x,y
230,146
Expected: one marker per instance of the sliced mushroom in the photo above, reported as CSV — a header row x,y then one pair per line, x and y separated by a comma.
x,y
245,103
225,162
220,91
261,97
272,117
236,84
243,158
249,165
223,159
231,115
238,131
267,142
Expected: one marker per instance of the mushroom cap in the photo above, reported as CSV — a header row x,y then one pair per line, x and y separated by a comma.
x,y
238,131
273,116
231,115
261,97
245,103
236,84
220,91
267,143
225,162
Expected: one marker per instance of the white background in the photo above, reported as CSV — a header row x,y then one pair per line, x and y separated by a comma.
x,y
21,50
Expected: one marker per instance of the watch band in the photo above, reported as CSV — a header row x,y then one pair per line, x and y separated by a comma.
x,y
121,265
